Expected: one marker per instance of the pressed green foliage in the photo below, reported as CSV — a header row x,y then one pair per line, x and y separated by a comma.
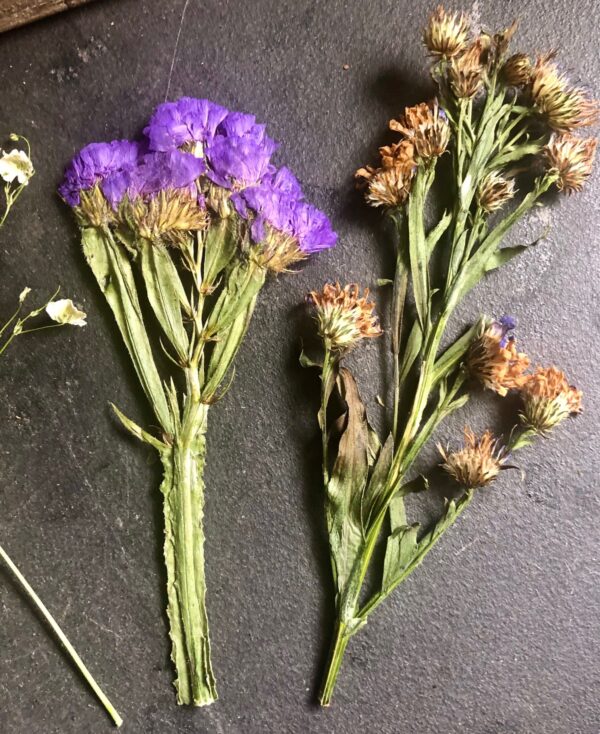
x,y
111,267
165,293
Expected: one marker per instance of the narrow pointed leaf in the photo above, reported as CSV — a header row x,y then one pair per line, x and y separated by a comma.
x,y
110,265
165,293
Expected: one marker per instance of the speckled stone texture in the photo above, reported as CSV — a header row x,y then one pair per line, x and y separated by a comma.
x,y
499,631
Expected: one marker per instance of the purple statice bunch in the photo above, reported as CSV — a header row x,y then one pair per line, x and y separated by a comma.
x,y
200,210
200,150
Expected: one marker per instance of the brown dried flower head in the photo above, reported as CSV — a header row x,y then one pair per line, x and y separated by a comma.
x,y
94,209
516,70
388,187
390,184
426,126
571,159
548,399
478,463
493,359
564,107
344,316
399,155
466,72
446,33
494,191
170,214
502,39
277,251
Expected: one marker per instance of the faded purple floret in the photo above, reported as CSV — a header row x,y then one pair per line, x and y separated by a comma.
x,y
503,327
240,152
155,172
279,202
312,228
273,203
94,163
188,120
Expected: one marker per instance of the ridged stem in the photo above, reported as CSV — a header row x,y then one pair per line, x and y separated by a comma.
x,y
183,489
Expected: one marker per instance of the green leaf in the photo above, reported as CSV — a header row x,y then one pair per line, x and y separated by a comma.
x,y
503,255
224,352
307,362
346,486
384,281
375,490
221,242
243,283
437,232
455,353
111,267
417,244
401,543
165,293
411,351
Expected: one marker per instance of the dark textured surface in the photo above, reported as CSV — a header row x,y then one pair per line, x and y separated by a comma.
x,y
499,631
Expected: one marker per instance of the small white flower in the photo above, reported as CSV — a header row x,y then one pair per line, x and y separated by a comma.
x,y
16,165
24,293
64,311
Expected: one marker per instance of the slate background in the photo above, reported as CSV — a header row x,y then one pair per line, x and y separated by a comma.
x,y
499,631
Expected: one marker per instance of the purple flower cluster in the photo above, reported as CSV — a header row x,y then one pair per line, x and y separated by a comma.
x,y
279,202
195,137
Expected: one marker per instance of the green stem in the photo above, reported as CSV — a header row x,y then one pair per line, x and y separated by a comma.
x,y
327,375
183,490
336,656
418,558
62,637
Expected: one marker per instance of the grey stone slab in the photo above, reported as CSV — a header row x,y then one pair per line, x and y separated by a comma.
x,y
499,631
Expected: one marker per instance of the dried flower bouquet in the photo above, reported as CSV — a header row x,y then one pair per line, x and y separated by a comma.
x,y
496,116
181,230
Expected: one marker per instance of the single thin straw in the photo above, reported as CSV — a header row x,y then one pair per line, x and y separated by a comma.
x,y
62,637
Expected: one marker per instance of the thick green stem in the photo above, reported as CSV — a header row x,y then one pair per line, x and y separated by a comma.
x,y
62,637
183,489
336,656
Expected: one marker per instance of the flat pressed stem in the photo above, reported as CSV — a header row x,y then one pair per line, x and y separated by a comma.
x,y
334,663
183,488
62,637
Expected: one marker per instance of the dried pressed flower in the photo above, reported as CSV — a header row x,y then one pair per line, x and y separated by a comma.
x,y
494,191
516,70
467,71
16,166
478,463
548,399
390,184
344,316
388,187
501,40
563,107
571,160
493,358
399,155
446,33
64,311
426,127
168,213
277,251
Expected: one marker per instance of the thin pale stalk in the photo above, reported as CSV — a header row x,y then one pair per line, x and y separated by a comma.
x,y
336,656
62,637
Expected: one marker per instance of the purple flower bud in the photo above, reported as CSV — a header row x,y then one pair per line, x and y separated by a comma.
x,y
188,120
312,229
240,152
94,163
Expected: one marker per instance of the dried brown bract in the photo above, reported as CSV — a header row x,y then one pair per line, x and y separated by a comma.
x,y
571,159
